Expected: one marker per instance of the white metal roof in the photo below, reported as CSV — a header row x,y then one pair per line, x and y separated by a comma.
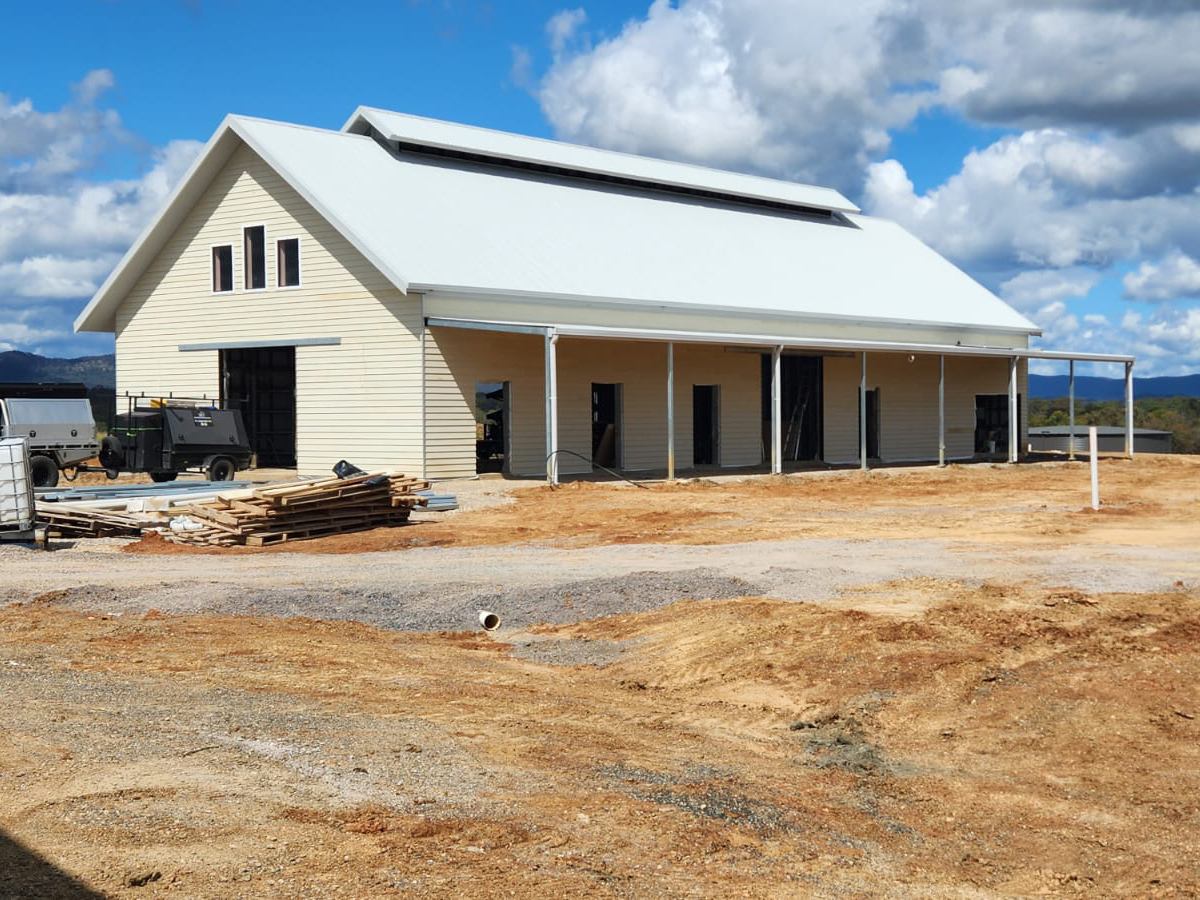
x,y
441,225
500,145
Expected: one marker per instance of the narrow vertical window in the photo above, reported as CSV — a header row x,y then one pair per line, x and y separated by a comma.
x,y
287,262
255,255
222,265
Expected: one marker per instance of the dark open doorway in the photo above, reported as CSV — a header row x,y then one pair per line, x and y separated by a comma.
x,y
705,433
801,406
491,426
606,409
991,422
261,382
872,423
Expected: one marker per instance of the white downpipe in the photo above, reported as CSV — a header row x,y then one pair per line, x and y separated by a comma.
x,y
1129,409
1095,470
670,411
942,409
1014,425
488,620
551,408
776,412
1071,412
862,415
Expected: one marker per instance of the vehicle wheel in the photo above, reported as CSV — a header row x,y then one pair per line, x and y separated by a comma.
x,y
221,469
44,470
111,474
163,476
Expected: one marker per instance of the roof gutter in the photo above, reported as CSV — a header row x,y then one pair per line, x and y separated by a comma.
x,y
769,340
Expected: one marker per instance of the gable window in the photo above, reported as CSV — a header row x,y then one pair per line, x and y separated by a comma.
x,y
255,256
287,262
222,269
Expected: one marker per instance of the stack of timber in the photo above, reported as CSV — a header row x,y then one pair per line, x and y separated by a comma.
x,y
300,509
67,520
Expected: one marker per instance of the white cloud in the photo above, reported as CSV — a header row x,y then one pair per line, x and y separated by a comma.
x,y
562,28
1171,278
61,230
1100,98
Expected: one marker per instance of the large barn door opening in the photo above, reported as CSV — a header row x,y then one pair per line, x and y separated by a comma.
x,y
991,422
705,432
801,395
606,417
261,382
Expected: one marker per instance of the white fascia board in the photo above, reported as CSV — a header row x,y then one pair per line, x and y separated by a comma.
x,y
767,340
595,302
502,145
314,199
97,315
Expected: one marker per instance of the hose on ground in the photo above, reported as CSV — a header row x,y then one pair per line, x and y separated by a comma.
x,y
597,465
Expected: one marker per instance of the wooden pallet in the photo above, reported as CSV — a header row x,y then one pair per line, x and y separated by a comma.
x,y
303,509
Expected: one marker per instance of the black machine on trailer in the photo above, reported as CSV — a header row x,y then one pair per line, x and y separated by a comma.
x,y
165,436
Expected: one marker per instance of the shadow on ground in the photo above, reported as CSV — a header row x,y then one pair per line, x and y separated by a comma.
x,y
25,874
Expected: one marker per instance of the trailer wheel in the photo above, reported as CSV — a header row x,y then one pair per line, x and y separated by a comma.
x,y
160,477
221,469
44,470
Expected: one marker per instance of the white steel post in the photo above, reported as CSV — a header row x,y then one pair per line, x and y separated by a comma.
x,y
670,411
551,407
1071,412
1129,409
776,413
942,409
1014,427
862,415
1095,473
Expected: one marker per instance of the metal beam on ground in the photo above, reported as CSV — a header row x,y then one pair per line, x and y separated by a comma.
x,y
862,415
552,407
776,412
670,411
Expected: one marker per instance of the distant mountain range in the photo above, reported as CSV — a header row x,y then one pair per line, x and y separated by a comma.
x,y
1089,387
100,371
94,371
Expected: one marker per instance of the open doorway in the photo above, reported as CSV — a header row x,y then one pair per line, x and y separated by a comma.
x,y
705,416
801,395
991,422
872,423
491,426
606,428
261,383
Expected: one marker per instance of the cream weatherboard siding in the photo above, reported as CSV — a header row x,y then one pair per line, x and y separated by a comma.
x,y
908,404
458,359
358,400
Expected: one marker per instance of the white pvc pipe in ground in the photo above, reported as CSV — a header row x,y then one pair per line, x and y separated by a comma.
x,y
488,620
1095,473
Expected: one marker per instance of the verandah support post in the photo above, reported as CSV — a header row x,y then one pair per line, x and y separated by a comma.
x,y
670,411
1071,412
942,409
862,415
1129,409
1014,426
776,413
552,407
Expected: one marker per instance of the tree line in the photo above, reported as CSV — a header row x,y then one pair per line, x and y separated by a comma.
x,y
1178,415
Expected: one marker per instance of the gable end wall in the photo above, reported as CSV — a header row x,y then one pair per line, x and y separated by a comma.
x,y
358,400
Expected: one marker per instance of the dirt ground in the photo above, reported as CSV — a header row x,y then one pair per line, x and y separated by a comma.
x,y
919,736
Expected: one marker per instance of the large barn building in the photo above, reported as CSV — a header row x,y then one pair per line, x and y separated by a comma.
x,y
373,293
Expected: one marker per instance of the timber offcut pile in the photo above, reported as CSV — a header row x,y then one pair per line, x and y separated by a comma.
x,y
299,509
66,520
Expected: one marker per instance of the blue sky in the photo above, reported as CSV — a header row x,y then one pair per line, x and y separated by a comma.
x,y
1052,150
